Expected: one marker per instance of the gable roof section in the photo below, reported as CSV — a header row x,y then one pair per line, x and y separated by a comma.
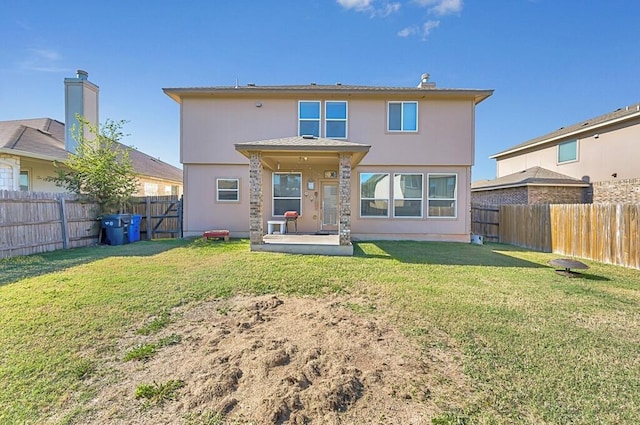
x,y
534,176
620,114
478,95
43,138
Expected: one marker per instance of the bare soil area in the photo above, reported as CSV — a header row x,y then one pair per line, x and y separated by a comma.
x,y
281,360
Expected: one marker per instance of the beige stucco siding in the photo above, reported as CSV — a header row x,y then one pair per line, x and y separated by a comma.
x,y
598,158
201,209
445,130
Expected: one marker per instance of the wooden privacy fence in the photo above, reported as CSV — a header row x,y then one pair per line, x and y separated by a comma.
x,y
37,222
33,222
609,233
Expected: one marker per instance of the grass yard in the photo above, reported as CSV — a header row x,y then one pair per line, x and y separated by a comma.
x,y
537,347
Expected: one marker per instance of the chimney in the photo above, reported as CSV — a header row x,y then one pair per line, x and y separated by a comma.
x,y
80,97
424,82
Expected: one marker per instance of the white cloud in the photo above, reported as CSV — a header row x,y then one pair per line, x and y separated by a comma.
x,y
43,60
441,7
359,5
423,31
389,9
382,10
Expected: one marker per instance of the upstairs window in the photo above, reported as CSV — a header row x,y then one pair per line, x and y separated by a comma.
x,y
228,190
443,193
309,118
335,119
402,116
568,151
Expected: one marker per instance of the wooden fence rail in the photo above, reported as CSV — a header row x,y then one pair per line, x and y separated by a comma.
x,y
33,222
609,233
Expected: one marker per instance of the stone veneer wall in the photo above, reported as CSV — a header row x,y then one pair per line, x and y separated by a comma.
x,y
345,199
557,195
626,191
255,199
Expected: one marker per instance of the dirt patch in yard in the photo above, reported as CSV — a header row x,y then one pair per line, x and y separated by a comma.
x,y
280,360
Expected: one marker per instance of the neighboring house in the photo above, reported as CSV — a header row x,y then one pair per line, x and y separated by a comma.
x,y
603,151
358,161
535,185
29,147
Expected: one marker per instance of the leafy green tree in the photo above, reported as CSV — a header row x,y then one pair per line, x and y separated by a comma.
x,y
101,168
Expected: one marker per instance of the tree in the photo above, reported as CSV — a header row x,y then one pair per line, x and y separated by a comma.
x,y
101,168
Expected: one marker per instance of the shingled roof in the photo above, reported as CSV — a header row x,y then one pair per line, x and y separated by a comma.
x,y
620,114
43,138
325,89
534,176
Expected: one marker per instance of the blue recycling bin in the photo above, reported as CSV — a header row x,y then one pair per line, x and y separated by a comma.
x,y
116,228
134,228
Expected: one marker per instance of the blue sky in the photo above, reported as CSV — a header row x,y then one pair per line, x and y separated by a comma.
x,y
551,62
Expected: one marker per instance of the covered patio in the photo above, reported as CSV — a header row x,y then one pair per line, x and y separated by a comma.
x,y
299,155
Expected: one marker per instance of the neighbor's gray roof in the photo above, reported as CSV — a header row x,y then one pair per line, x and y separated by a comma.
x,y
249,90
619,114
534,176
303,143
43,138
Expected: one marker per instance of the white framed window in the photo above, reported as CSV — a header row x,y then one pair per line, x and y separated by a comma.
x,y
24,182
309,118
335,124
407,195
227,190
287,193
402,116
442,197
374,194
150,189
568,151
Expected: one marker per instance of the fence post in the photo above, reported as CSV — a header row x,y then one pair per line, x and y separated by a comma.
x,y
63,221
180,206
149,228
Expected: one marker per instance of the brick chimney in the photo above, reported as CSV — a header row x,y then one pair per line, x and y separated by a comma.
x,y
80,97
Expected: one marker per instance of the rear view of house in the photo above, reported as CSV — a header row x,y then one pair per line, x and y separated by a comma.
x,y
356,161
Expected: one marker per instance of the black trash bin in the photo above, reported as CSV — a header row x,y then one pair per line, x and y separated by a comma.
x,y
116,228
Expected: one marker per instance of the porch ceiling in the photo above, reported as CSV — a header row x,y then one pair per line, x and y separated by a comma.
x,y
298,151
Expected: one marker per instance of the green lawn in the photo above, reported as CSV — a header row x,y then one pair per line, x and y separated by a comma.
x,y
537,347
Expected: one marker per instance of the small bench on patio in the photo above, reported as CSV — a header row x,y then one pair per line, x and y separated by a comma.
x,y
216,234
282,227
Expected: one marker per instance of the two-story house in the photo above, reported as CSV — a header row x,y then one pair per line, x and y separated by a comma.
x,y
601,151
359,162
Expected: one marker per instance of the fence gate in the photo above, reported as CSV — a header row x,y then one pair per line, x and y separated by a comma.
x,y
161,216
485,221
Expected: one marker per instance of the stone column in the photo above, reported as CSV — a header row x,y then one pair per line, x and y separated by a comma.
x,y
345,199
255,199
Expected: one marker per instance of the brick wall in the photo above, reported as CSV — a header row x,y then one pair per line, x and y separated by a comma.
x,y
626,191
531,195
514,195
